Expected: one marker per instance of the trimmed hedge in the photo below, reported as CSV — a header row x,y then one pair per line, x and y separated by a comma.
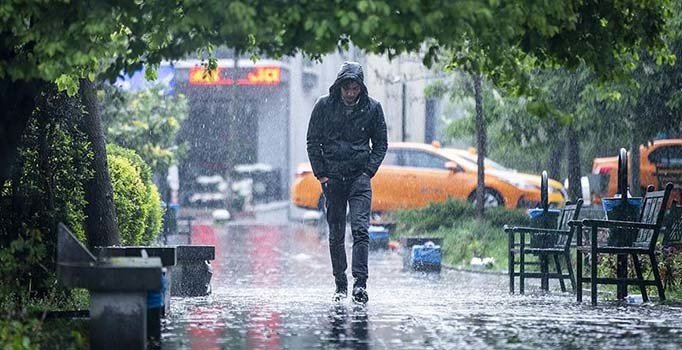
x,y
138,203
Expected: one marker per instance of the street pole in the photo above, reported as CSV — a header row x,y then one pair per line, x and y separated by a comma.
x,y
404,112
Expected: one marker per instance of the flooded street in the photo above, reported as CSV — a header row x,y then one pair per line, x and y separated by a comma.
x,y
272,289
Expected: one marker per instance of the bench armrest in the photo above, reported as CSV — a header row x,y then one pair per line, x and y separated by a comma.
x,y
616,223
536,230
574,223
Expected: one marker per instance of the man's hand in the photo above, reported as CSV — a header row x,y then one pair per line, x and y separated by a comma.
x,y
323,179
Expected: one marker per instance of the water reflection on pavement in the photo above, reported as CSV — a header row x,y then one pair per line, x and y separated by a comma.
x,y
272,289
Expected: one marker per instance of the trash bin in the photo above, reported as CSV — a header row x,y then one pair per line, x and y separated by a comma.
x,y
616,209
543,219
156,301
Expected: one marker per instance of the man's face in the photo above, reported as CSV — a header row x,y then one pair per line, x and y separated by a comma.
x,y
350,92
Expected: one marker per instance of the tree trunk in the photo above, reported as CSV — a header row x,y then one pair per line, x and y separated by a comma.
x,y
18,100
556,154
481,137
101,226
574,171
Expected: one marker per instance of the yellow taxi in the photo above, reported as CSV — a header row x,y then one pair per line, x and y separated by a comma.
x,y
659,162
414,174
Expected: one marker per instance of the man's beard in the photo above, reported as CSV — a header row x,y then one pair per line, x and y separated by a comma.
x,y
352,102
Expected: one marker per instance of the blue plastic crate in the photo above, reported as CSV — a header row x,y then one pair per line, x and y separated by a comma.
x,y
426,257
378,237
615,209
156,298
541,219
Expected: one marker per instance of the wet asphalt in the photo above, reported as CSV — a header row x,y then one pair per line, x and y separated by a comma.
x,y
272,289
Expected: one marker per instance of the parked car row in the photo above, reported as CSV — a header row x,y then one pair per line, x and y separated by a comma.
x,y
414,175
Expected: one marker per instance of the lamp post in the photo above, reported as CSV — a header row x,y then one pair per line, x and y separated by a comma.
x,y
403,116
403,80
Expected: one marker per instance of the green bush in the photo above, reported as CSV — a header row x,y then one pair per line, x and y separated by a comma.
x,y
16,334
46,186
33,333
149,210
138,204
452,212
500,216
129,197
433,216
154,215
669,265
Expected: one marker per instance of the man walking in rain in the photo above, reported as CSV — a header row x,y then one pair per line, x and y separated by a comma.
x,y
346,144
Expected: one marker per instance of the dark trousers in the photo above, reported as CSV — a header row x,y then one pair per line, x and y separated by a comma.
x,y
357,193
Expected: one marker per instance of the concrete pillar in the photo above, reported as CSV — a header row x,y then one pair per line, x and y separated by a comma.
x,y
118,320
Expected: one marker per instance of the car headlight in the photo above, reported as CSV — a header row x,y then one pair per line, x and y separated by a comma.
x,y
519,183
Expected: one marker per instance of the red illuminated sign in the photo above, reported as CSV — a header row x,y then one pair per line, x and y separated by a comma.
x,y
242,76
200,76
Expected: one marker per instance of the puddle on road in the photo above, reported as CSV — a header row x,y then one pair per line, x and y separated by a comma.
x,y
272,290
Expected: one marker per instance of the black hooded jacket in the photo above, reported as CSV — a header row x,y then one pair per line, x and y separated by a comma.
x,y
339,144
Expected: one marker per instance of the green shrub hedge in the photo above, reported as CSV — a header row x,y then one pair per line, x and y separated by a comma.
x,y
138,203
452,213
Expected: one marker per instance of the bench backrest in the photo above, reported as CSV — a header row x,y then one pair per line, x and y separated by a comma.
x,y
652,212
70,250
666,172
568,213
672,227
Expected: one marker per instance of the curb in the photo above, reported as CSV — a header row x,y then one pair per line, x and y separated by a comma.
x,y
270,206
469,270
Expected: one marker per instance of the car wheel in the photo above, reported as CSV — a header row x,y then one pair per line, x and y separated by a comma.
x,y
491,198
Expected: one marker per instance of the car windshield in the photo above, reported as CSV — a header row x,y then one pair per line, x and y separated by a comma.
x,y
495,165
470,158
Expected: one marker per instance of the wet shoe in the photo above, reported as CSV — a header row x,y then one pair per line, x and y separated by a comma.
x,y
360,295
339,295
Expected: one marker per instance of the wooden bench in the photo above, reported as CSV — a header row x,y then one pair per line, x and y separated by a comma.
x,y
669,173
672,241
647,228
556,245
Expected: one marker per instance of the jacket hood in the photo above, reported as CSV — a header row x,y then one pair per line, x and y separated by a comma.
x,y
348,71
